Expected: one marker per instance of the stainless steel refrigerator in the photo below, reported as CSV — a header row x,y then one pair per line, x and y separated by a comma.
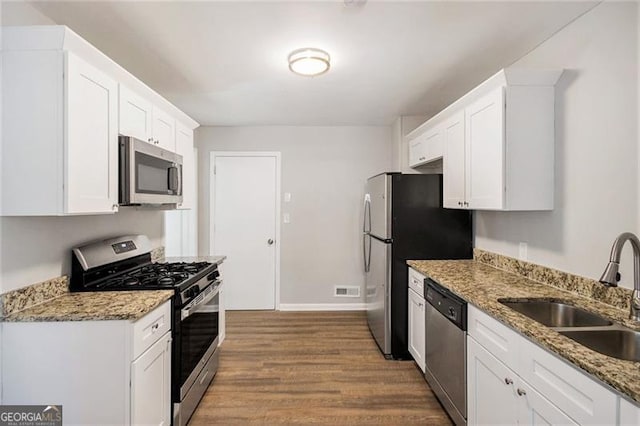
x,y
404,219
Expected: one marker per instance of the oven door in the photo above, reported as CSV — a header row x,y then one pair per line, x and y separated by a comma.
x,y
199,321
149,174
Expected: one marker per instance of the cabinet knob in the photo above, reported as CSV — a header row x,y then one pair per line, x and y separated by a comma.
x,y
114,206
150,140
508,381
521,392
459,203
466,203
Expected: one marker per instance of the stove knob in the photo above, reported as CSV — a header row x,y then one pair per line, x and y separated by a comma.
x,y
194,291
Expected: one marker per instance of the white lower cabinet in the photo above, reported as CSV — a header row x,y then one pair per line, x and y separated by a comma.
x,y
416,317
497,395
512,380
150,385
101,372
416,328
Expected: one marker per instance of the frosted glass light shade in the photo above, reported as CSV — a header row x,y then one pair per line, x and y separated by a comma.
x,y
309,61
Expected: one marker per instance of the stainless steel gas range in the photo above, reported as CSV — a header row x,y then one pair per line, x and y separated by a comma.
x,y
124,263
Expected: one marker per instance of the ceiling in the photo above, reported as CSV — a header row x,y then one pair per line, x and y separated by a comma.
x,y
224,63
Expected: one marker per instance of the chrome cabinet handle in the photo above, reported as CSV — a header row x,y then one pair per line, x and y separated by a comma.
x,y
508,381
521,392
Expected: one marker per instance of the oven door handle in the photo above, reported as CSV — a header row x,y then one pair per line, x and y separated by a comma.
x,y
190,308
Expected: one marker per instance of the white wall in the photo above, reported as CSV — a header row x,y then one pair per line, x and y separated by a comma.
x,y
325,169
596,149
34,249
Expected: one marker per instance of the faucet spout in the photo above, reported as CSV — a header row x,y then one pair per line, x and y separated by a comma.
x,y
610,276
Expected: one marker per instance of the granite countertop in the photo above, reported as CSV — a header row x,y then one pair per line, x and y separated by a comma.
x,y
212,259
94,306
482,285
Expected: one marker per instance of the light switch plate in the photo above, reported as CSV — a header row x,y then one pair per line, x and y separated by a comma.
x,y
287,197
286,218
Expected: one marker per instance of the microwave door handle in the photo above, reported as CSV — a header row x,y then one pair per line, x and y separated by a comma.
x,y
179,167
173,178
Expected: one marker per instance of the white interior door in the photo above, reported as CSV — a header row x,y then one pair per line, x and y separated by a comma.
x,y
245,214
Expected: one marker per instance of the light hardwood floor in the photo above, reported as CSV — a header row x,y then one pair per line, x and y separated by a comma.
x,y
312,367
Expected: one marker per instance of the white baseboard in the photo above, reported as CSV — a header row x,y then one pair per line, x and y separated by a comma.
x,y
323,306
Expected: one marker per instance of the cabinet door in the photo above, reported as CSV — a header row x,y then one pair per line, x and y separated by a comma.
x,y
484,121
184,147
454,162
416,151
433,144
534,409
151,385
416,328
491,394
135,115
164,130
91,144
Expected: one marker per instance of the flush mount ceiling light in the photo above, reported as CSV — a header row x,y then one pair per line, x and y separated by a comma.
x,y
309,61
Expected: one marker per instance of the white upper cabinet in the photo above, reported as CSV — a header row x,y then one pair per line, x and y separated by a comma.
x,y
454,166
63,104
143,120
135,115
91,148
499,143
60,135
484,152
426,147
164,130
184,147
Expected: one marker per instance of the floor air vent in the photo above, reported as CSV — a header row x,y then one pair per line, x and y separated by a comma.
x,y
347,291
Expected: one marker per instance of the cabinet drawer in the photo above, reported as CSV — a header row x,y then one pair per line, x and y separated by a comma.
x,y
416,281
148,329
497,338
582,398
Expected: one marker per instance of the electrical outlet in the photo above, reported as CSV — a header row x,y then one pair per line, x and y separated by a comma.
x,y
522,251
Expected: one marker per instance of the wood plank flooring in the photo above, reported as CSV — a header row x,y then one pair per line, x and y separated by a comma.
x,y
312,367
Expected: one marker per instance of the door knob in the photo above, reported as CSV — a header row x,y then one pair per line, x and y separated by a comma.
x,y
270,241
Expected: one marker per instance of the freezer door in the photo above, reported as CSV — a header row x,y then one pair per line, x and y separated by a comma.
x,y
377,294
379,191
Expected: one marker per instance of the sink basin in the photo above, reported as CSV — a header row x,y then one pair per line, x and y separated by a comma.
x,y
556,314
621,344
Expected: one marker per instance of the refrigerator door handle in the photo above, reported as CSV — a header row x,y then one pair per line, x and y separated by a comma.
x,y
366,252
367,214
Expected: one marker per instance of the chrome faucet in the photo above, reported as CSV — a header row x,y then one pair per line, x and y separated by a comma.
x,y
610,276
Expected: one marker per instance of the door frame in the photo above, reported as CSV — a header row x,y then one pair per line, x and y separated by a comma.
x,y
212,198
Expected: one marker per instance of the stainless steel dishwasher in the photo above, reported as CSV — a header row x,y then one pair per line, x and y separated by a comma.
x,y
446,349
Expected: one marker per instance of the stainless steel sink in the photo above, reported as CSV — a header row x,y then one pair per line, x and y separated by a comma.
x,y
621,344
556,314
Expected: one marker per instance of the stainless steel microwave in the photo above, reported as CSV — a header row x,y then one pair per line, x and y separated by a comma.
x,y
148,173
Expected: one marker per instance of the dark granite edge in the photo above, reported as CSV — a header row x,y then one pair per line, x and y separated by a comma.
x,y
618,297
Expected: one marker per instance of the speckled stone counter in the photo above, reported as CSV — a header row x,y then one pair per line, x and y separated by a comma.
x,y
94,306
482,285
